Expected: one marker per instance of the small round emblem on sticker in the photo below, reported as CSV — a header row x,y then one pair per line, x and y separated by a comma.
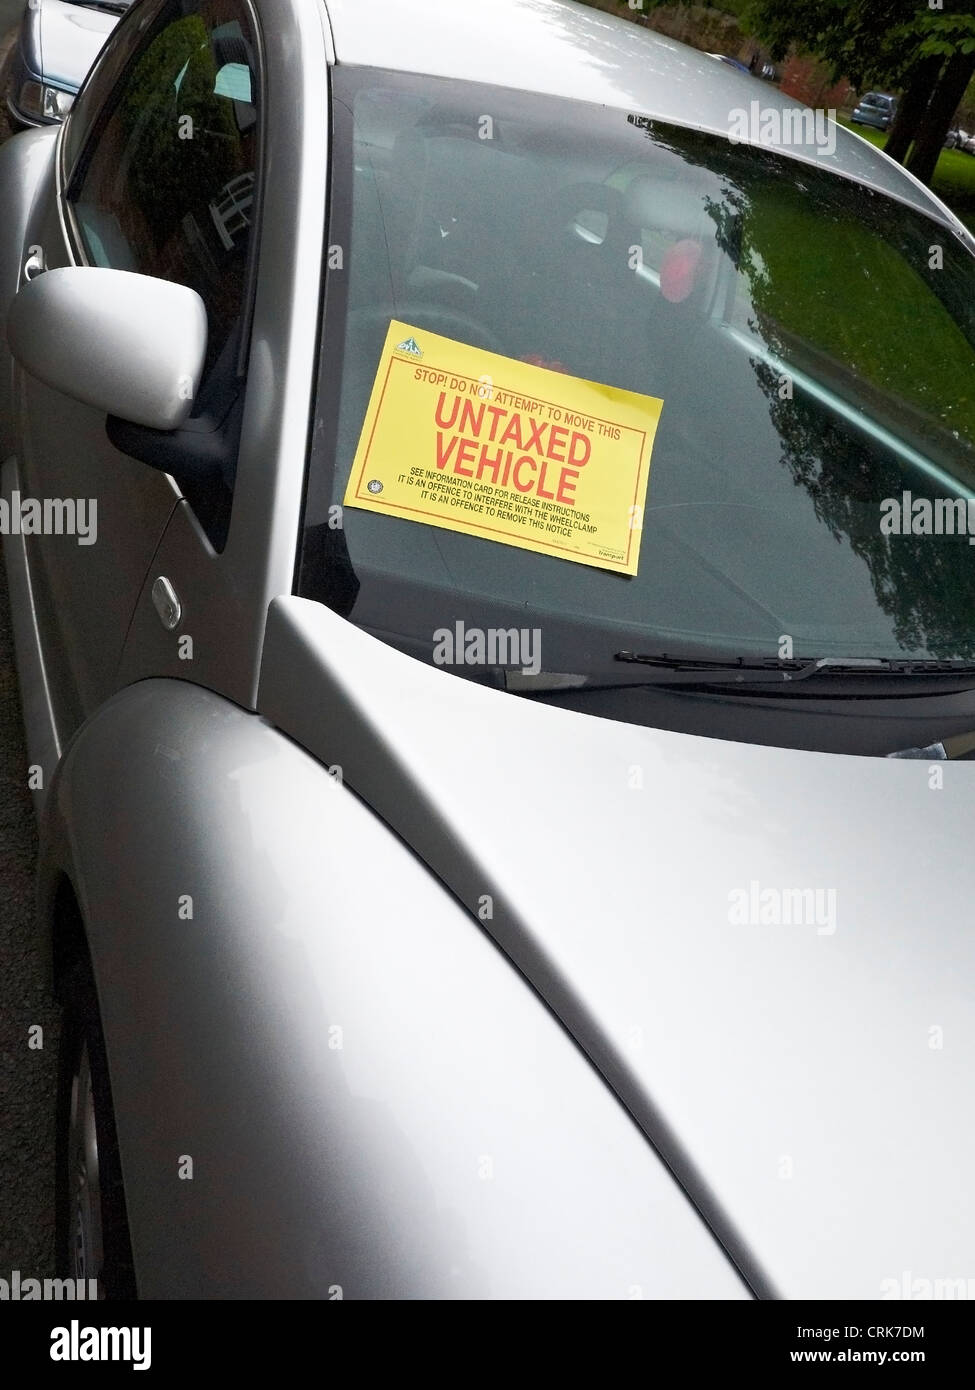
x,y
375,486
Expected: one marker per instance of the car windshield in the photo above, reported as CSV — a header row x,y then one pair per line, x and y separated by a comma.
x,y
811,341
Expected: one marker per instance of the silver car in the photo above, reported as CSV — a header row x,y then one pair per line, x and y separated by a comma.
x,y
476,499
57,44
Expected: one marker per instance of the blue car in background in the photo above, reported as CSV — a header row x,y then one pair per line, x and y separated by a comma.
x,y
58,42
877,109
732,62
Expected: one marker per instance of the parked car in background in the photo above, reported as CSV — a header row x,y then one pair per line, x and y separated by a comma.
x,y
968,144
876,109
956,139
58,42
732,62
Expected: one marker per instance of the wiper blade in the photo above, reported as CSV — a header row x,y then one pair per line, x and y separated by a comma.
x,y
734,672
739,671
773,671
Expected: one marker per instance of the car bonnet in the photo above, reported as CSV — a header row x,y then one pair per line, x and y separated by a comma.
x,y
767,953
71,37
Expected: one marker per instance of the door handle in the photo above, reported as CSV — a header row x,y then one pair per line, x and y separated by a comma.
x,y
35,263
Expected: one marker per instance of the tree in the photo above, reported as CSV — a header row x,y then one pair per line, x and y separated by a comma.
x,y
927,147
950,38
916,47
921,81
907,44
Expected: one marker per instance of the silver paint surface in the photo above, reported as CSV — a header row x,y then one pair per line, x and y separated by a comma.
x,y
372,1098
745,1051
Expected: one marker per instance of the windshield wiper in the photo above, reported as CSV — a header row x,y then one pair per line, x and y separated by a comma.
x,y
733,672
773,670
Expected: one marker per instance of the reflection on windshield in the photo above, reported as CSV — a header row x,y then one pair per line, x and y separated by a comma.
x,y
812,342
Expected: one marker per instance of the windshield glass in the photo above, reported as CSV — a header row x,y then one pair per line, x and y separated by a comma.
x,y
811,342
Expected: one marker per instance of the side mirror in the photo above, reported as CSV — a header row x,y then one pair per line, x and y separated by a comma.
x,y
129,345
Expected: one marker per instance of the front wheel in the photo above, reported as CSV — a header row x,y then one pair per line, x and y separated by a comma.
x,y
92,1236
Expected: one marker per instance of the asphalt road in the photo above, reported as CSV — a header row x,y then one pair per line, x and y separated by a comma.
x,y
27,1074
10,13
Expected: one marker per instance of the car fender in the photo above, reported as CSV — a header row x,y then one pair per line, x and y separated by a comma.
x,y
328,1081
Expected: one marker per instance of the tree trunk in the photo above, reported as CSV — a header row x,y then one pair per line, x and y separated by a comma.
x,y
937,120
913,104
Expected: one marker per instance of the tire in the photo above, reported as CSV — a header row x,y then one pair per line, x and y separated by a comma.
x,y
91,1228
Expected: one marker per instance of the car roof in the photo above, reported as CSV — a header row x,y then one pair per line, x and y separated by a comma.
x,y
561,48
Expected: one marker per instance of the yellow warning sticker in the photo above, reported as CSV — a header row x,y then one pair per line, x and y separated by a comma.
x,y
525,455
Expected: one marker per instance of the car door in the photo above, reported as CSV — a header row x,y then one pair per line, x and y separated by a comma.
x,y
160,183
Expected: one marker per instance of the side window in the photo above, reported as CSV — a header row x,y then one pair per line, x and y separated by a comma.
x,y
168,188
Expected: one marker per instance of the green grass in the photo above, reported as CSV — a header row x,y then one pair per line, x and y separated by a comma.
x,y
954,178
849,295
